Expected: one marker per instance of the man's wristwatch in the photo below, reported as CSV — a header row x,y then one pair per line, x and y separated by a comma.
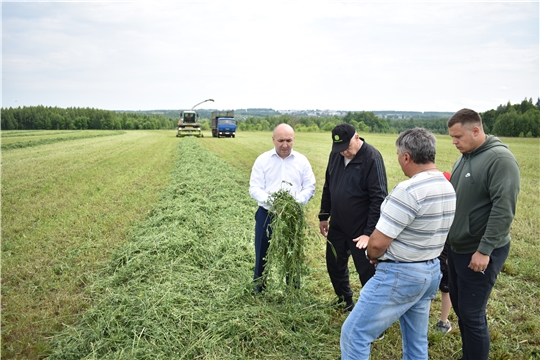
x,y
367,256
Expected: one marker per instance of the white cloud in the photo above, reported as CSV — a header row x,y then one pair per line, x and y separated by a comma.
x,y
431,56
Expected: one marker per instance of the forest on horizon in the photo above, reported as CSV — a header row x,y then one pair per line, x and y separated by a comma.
x,y
510,120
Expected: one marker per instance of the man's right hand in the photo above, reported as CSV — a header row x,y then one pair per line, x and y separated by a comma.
x,y
323,227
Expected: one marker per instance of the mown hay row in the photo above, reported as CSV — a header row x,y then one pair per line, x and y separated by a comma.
x,y
181,288
45,141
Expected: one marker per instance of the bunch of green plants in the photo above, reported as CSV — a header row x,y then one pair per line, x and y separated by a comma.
x,y
286,252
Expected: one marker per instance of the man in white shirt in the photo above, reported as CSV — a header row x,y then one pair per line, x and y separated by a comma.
x,y
276,169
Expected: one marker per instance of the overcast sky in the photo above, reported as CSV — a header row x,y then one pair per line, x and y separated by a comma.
x,y
405,56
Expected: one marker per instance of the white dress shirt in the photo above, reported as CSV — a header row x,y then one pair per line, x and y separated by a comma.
x,y
271,173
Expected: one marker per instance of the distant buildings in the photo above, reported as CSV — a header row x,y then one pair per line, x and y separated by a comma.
x,y
314,112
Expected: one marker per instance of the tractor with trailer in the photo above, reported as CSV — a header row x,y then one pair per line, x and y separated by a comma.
x,y
223,123
188,123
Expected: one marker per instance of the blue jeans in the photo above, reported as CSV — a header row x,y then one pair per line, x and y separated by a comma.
x,y
469,292
397,291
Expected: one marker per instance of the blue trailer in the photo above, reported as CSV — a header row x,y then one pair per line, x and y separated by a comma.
x,y
223,123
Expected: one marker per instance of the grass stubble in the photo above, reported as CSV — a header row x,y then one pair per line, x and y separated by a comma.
x,y
65,207
177,285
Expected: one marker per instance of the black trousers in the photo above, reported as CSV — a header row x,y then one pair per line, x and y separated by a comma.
x,y
338,250
469,292
263,230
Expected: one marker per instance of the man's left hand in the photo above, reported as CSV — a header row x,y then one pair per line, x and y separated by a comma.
x,y
361,241
479,262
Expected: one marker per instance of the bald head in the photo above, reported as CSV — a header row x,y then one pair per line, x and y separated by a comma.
x,y
283,138
283,127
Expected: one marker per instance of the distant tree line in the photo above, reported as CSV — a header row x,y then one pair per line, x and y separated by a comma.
x,y
363,121
55,118
518,120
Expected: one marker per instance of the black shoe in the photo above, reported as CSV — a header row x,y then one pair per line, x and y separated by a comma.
x,y
345,304
258,289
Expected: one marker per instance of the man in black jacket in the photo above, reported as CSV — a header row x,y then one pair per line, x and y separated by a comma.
x,y
354,189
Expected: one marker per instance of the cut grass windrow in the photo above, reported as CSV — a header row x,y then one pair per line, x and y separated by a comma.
x,y
76,135
181,288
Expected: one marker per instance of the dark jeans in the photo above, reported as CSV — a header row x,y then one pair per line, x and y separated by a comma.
x,y
262,232
443,286
338,268
469,292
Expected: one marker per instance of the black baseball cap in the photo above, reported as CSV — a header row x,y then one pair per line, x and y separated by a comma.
x,y
341,137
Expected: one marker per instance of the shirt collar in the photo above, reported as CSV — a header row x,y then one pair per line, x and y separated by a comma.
x,y
274,152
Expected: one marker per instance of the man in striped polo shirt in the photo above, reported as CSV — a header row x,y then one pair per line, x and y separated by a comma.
x,y
409,236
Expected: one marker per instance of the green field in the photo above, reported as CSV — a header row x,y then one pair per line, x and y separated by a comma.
x,y
101,255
